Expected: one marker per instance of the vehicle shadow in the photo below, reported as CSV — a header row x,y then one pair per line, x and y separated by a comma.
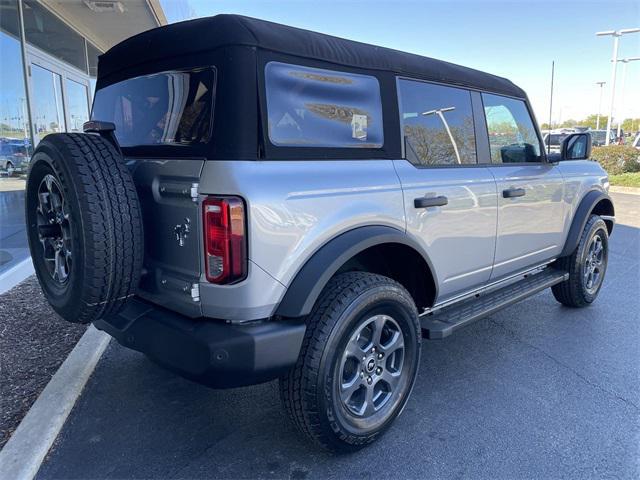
x,y
538,390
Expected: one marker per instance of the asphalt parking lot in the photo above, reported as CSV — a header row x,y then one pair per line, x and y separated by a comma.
x,y
536,391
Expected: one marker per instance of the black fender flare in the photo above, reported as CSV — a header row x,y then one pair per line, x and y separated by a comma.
x,y
587,204
309,281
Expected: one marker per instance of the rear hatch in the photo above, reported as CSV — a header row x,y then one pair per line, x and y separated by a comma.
x,y
171,232
163,122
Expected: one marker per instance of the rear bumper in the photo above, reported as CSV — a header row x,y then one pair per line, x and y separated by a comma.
x,y
210,352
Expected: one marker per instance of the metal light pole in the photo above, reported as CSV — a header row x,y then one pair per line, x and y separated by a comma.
x,y
602,84
616,34
624,62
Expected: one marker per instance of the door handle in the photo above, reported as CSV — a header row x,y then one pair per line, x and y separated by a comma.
x,y
426,202
513,192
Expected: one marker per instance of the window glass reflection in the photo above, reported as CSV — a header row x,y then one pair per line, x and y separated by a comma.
x,y
92,57
161,109
15,145
46,102
44,30
77,105
437,123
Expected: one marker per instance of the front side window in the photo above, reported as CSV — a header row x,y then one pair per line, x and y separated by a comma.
x,y
312,107
437,124
512,136
168,108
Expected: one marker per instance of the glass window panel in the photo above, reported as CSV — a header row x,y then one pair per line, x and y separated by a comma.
x,y
46,102
92,56
512,135
310,107
47,32
437,122
164,108
77,105
15,143
9,22
14,120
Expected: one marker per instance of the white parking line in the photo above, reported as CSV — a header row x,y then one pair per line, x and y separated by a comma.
x,y
23,454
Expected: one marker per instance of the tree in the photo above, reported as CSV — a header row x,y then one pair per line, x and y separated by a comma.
x,y
630,125
592,121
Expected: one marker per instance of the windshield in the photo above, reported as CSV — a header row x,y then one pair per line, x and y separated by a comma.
x,y
166,108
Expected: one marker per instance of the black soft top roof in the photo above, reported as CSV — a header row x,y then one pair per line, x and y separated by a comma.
x,y
205,34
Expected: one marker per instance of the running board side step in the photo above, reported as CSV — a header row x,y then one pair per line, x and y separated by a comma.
x,y
444,322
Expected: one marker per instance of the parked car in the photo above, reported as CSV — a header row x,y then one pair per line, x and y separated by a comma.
x,y
14,157
553,141
598,137
252,201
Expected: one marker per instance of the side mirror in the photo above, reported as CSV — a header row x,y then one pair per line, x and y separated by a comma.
x,y
576,146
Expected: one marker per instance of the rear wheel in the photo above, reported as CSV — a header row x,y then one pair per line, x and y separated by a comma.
x,y
84,226
358,362
586,266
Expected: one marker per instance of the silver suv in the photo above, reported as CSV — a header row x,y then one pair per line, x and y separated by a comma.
x,y
252,201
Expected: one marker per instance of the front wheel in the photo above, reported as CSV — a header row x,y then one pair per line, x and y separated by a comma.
x,y
358,362
586,266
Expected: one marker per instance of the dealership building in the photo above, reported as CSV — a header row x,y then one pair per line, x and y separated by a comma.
x,y
48,64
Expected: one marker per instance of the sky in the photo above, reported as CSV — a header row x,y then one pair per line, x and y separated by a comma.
x,y
516,39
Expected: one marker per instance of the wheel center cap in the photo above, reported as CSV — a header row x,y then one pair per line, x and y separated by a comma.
x,y
371,365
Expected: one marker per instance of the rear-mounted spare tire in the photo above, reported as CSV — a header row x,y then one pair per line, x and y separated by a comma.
x,y
84,226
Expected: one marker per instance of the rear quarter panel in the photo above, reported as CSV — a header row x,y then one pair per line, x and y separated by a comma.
x,y
295,207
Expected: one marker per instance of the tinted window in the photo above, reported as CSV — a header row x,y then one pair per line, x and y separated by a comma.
x,y
437,124
159,109
310,107
512,136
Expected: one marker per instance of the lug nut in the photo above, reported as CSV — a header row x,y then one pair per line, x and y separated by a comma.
x,y
380,355
369,380
361,374
379,370
373,350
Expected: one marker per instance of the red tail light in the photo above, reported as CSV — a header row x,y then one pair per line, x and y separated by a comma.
x,y
225,243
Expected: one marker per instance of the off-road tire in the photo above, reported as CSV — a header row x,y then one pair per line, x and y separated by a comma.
x,y
104,226
573,291
307,390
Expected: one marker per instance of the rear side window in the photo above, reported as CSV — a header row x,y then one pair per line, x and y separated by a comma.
x,y
168,108
312,107
437,124
512,136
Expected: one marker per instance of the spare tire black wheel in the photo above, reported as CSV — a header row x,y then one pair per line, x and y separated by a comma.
x,y
84,226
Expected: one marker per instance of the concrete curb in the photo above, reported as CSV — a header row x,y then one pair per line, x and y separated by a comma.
x,y
23,454
15,275
631,190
